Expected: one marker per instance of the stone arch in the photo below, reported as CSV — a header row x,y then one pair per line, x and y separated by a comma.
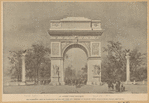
x,y
75,32
75,45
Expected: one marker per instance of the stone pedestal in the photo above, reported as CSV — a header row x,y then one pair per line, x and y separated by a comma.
x,y
127,69
55,81
93,79
22,83
89,83
57,76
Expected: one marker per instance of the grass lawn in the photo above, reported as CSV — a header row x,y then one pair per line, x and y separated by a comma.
x,y
48,89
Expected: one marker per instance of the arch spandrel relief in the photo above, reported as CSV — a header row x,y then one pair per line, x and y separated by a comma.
x,y
75,45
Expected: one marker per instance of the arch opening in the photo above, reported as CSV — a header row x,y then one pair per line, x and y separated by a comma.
x,y
75,46
75,64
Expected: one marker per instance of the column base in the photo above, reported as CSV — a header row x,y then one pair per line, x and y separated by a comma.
x,y
128,82
97,83
54,83
62,83
22,83
89,83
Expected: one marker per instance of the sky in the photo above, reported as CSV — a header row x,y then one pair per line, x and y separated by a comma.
x,y
77,59
27,23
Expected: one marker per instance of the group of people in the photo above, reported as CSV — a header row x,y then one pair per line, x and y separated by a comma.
x,y
116,85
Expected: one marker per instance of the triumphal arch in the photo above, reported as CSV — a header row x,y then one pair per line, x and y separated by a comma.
x,y
72,32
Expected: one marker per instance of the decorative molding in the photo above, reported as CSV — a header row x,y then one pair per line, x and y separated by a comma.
x,y
64,44
55,49
95,49
94,58
56,25
74,37
83,43
86,44
96,25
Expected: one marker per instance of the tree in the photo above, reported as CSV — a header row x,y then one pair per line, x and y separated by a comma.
x,y
114,64
70,73
15,62
138,65
37,62
37,57
84,74
85,68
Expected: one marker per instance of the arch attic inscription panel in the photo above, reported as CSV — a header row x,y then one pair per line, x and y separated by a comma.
x,y
75,31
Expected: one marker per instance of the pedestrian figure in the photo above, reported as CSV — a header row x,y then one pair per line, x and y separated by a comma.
x,y
114,85
118,86
134,82
110,85
122,88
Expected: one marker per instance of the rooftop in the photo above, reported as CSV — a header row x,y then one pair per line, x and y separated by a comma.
x,y
75,19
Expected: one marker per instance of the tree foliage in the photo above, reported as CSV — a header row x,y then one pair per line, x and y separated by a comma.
x,y
37,63
138,65
15,61
114,64
70,73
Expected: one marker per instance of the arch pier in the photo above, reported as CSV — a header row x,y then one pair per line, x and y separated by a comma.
x,y
74,32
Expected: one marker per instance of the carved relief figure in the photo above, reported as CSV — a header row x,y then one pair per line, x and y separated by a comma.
x,y
96,70
55,69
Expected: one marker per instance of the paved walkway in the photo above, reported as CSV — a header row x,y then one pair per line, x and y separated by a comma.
x,y
48,89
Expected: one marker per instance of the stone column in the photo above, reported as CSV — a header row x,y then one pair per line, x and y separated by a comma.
x,y
23,69
127,69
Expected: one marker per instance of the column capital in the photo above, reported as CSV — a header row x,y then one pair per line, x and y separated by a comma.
x,y
23,54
